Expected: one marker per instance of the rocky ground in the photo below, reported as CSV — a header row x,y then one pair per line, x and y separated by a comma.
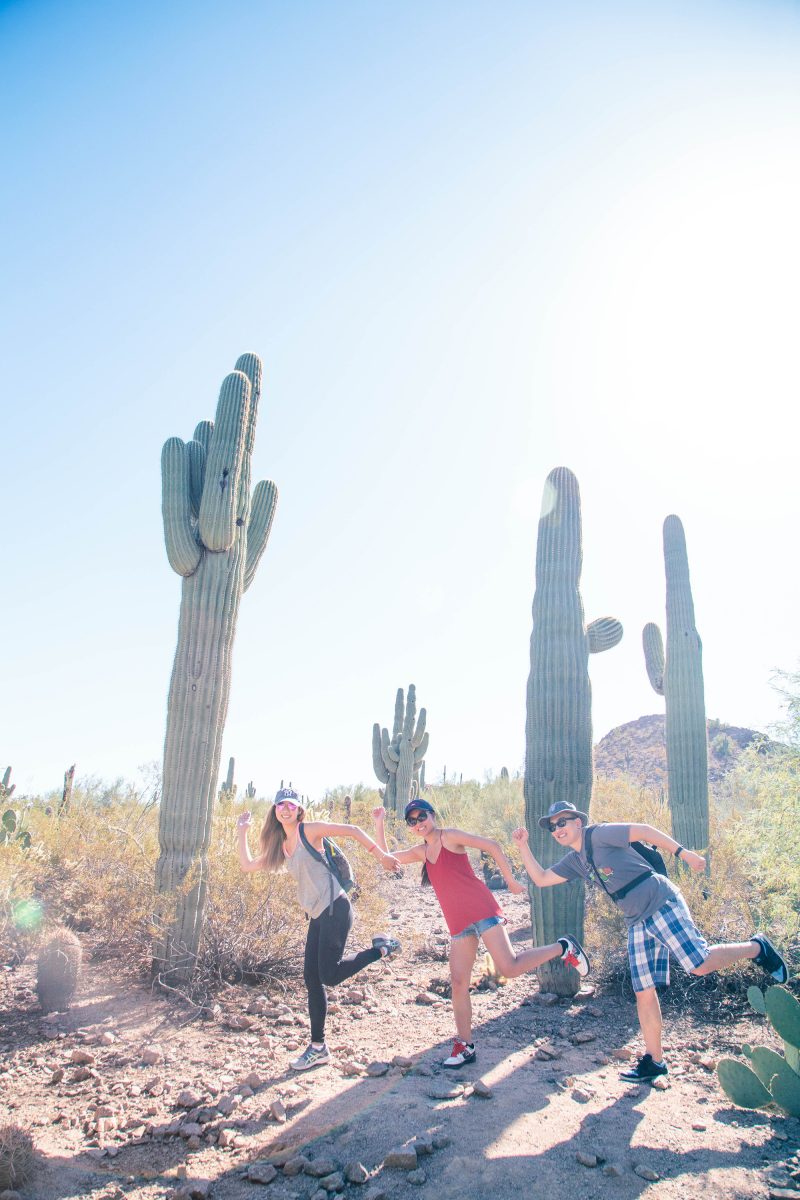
x,y
130,1095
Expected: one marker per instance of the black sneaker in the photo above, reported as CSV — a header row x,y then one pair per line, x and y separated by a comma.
x,y
768,958
645,1071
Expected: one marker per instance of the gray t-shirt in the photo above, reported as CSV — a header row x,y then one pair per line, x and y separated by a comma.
x,y
618,864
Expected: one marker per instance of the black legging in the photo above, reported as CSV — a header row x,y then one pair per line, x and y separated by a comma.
x,y
324,962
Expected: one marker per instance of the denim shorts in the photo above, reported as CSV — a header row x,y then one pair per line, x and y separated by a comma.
x,y
477,928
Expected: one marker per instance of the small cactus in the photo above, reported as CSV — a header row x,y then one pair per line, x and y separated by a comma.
x,y
66,795
12,829
17,1158
6,787
250,791
770,1078
57,971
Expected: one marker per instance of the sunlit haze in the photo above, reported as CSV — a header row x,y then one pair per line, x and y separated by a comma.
x,y
471,243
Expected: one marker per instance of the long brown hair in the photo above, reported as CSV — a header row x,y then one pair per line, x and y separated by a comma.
x,y
271,839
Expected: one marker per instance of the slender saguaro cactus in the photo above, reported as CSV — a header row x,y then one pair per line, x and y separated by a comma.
x,y
679,679
558,728
399,759
228,785
215,533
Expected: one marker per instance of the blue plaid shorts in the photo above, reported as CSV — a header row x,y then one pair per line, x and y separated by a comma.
x,y
671,928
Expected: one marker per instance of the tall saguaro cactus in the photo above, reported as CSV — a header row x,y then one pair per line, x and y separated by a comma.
x,y
679,679
215,534
558,728
399,759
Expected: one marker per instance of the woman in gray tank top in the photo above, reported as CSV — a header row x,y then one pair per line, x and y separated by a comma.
x,y
325,904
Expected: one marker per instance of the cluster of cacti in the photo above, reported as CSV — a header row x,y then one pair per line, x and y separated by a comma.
x,y
6,786
398,759
771,1078
12,829
17,1158
215,534
679,679
57,970
558,728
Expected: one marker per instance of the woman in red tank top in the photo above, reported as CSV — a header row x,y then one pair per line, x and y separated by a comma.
x,y
471,912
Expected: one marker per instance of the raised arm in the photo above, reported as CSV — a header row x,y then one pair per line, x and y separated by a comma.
x,y
413,854
541,876
664,841
246,860
453,838
317,830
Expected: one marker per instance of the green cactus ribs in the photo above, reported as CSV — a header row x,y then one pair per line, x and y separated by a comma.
x,y
769,1078
398,760
215,532
678,677
558,728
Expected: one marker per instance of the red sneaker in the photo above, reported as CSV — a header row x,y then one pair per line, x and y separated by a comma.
x,y
460,1055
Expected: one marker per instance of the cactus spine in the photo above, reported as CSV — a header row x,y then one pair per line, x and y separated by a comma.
x,y
679,679
215,534
399,759
558,728
771,1079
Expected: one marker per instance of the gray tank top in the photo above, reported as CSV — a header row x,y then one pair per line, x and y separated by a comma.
x,y
317,887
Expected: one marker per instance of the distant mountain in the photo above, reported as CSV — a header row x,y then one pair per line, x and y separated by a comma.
x,y
639,749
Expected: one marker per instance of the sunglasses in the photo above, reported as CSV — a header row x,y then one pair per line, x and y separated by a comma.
x,y
418,819
283,803
560,824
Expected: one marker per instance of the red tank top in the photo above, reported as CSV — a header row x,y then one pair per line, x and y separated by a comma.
x,y
463,897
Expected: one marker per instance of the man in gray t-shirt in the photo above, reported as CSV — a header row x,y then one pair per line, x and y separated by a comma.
x,y
659,923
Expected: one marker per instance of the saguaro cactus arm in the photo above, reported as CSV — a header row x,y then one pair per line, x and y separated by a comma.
x,y
265,498
421,749
378,764
603,634
219,503
653,646
177,509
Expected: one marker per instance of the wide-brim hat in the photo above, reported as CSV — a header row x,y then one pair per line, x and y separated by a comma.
x,y
562,808
422,805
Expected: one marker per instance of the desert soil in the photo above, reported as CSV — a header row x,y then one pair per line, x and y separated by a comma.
x,y
542,1112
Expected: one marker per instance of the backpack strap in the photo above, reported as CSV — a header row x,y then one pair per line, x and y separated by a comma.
x,y
319,857
621,892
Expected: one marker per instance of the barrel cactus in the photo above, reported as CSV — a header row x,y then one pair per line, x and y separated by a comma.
x,y
215,533
57,969
398,760
679,679
771,1078
558,728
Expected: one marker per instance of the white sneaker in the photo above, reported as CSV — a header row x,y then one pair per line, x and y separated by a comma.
x,y
575,956
313,1056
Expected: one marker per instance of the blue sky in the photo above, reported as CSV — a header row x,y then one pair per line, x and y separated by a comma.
x,y
471,242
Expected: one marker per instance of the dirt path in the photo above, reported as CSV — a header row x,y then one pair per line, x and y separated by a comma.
x,y
550,1071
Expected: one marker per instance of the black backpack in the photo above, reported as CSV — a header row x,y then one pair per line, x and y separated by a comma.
x,y
650,857
335,860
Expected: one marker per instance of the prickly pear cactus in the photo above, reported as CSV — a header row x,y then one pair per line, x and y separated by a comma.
x,y
399,759
678,677
558,729
770,1078
215,533
57,970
